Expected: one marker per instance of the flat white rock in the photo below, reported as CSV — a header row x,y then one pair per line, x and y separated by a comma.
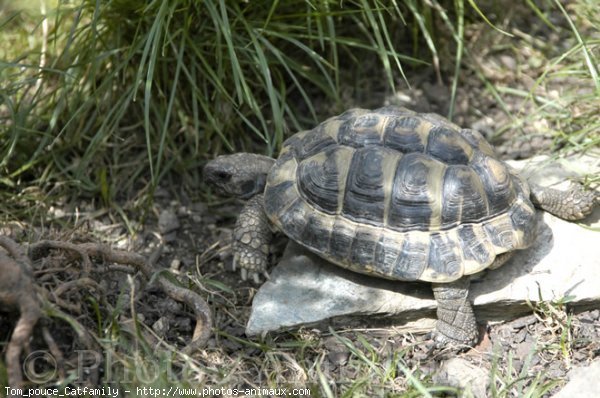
x,y
563,262
583,382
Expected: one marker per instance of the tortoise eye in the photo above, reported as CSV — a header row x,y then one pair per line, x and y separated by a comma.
x,y
223,176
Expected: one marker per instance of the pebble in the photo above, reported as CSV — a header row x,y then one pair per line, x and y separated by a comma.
x,y
161,326
460,373
508,61
337,353
168,222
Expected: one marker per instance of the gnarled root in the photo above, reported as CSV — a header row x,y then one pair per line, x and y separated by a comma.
x,y
146,266
18,291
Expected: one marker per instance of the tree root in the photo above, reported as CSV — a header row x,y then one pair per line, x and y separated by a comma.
x,y
18,291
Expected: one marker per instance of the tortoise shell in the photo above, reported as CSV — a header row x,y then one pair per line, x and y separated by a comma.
x,y
399,195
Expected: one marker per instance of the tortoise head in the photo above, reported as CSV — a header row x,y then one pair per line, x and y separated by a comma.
x,y
242,175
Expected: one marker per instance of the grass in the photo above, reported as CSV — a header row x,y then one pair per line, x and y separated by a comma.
x,y
554,343
102,102
115,94
562,100
106,99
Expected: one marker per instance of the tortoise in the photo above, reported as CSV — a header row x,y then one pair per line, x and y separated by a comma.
x,y
394,194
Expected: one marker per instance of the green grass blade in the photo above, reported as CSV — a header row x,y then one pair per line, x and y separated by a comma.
x,y
589,57
485,18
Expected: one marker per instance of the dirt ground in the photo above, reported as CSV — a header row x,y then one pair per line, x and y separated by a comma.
x,y
541,347
197,237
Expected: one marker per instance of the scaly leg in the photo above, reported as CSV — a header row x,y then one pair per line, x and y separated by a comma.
x,y
574,204
456,323
252,237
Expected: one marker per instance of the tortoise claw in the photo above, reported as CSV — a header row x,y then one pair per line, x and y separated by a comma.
x,y
255,276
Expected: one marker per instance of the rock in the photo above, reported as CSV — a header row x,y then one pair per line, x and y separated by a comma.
x,y
556,173
509,62
304,289
485,125
460,373
337,352
168,222
161,326
563,261
583,382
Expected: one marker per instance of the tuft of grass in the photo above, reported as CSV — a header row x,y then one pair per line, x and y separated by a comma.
x,y
374,371
109,97
558,339
506,382
555,343
563,100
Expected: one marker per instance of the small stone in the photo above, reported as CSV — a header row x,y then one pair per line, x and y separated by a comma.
x,y
508,61
522,322
338,358
535,62
168,238
168,222
175,264
460,373
183,324
59,213
524,349
437,93
517,364
485,125
338,353
230,346
169,306
161,326
161,193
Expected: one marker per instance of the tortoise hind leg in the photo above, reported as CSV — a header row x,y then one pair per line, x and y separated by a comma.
x,y
574,204
252,236
456,323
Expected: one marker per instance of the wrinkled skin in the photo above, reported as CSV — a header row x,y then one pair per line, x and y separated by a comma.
x,y
241,175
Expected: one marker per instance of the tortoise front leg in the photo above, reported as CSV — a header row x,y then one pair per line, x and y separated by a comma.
x,y
456,323
252,237
574,204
